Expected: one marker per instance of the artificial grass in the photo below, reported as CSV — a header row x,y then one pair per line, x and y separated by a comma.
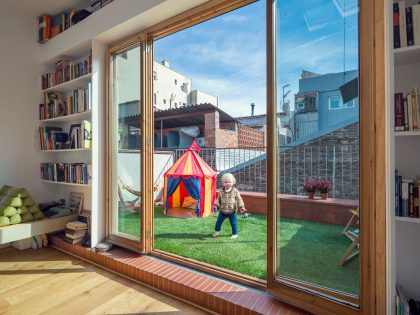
x,y
309,251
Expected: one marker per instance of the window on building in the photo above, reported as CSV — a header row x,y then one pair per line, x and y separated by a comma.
x,y
334,102
350,104
154,98
164,101
176,82
154,75
184,87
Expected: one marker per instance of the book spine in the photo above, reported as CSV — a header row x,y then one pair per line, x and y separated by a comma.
x,y
405,115
409,112
404,187
414,108
399,112
400,196
416,200
397,193
416,23
409,23
402,20
410,199
396,19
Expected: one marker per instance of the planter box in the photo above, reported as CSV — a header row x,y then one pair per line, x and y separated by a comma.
x,y
332,211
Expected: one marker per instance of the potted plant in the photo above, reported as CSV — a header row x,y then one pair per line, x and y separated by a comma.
x,y
324,187
310,188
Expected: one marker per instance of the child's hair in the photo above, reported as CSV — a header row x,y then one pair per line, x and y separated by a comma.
x,y
228,176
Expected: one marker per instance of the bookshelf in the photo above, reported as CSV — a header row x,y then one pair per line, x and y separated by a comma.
x,y
404,152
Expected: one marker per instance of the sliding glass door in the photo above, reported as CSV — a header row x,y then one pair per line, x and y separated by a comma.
x,y
316,146
125,146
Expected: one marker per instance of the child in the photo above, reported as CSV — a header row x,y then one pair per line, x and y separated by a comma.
x,y
228,202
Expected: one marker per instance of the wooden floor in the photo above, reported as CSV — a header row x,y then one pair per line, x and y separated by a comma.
x,y
47,281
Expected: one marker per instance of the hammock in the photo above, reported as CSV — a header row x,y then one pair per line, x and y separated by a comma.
x,y
135,205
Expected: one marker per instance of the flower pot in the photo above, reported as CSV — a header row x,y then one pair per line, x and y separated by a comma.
x,y
311,194
324,195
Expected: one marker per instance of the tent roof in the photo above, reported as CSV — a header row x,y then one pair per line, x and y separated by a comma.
x,y
190,164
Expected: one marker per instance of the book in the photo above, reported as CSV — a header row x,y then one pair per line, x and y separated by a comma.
x,y
76,225
399,112
416,23
73,241
75,236
409,26
402,22
396,25
44,28
397,193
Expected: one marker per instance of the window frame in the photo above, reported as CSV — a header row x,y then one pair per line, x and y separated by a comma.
x,y
372,161
340,102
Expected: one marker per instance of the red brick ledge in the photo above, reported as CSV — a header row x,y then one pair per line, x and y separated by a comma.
x,y
214,294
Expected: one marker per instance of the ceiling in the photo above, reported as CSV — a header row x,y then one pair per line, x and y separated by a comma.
x,y
40,7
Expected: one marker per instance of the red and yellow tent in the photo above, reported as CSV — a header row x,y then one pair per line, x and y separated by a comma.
x,y
190,176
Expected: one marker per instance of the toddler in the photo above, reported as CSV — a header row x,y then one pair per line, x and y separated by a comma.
x,y
228,202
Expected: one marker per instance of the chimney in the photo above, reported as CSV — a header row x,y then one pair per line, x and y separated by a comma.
x,y
252,109
166,63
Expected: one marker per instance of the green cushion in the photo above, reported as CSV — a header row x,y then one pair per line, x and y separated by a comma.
x,y
9,211
34,208
4,221
38,215
22,210
17,192
11,201
15,219
28,201
4,189
27,217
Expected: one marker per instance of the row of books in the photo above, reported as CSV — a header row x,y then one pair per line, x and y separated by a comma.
x,y
75,173
78,137
66,70
57,105
75,232
406,24
51,26
406,197
401,302
407,111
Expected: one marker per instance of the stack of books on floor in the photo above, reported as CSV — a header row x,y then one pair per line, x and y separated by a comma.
x,y
75,231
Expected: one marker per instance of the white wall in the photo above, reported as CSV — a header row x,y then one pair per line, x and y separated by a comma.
x,y
166,90
20,86
197,97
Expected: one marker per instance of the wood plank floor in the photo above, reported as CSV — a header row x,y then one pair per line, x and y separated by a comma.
x,y
47,281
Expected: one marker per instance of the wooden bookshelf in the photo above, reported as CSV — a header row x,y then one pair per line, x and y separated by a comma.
x,y
407,55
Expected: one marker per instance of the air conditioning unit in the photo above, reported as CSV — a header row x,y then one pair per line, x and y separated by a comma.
x,y
201,141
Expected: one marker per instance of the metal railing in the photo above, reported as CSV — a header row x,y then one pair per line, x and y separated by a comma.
x,y
295,164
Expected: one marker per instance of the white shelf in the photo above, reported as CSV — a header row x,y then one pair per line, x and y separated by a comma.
x,y
407,133
407,219
68,118
407,55
71,85
66,150
64,183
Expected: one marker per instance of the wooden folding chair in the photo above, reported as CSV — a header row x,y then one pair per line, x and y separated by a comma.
x,y
353,235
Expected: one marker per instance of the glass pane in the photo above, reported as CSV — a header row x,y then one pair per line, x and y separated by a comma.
x,y
125,143
318,143
210,87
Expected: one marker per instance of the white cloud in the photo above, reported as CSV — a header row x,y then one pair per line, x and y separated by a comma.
x,y
233,18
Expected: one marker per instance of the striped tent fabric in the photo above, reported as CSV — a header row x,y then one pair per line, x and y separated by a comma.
x,y
190,176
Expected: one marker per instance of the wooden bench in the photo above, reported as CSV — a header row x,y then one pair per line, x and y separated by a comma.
x,y
21,231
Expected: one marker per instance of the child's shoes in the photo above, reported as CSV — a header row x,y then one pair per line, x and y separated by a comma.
x,y
216,234
234,236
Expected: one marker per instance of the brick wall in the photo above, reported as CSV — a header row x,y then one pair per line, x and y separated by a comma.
x,y
250,137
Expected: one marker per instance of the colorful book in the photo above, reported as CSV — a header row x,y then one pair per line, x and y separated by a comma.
x,y
396,24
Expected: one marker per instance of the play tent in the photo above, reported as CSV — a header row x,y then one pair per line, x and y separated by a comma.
x,y
190,176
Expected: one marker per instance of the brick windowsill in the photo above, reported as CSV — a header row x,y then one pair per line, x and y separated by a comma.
x,y
214,294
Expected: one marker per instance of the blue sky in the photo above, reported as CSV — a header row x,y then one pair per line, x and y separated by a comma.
x,y
226,56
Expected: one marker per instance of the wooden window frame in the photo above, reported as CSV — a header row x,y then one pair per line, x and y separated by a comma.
x,y
372,162
372,165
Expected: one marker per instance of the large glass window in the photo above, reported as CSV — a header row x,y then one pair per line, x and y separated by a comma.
x,y
317,217
125,145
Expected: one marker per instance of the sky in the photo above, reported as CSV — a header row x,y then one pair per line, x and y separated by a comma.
x,y
226,56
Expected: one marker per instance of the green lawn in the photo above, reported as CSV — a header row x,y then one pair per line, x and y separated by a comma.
x,y
309,251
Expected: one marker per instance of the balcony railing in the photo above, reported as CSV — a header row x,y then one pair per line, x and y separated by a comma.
x,y
295,164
